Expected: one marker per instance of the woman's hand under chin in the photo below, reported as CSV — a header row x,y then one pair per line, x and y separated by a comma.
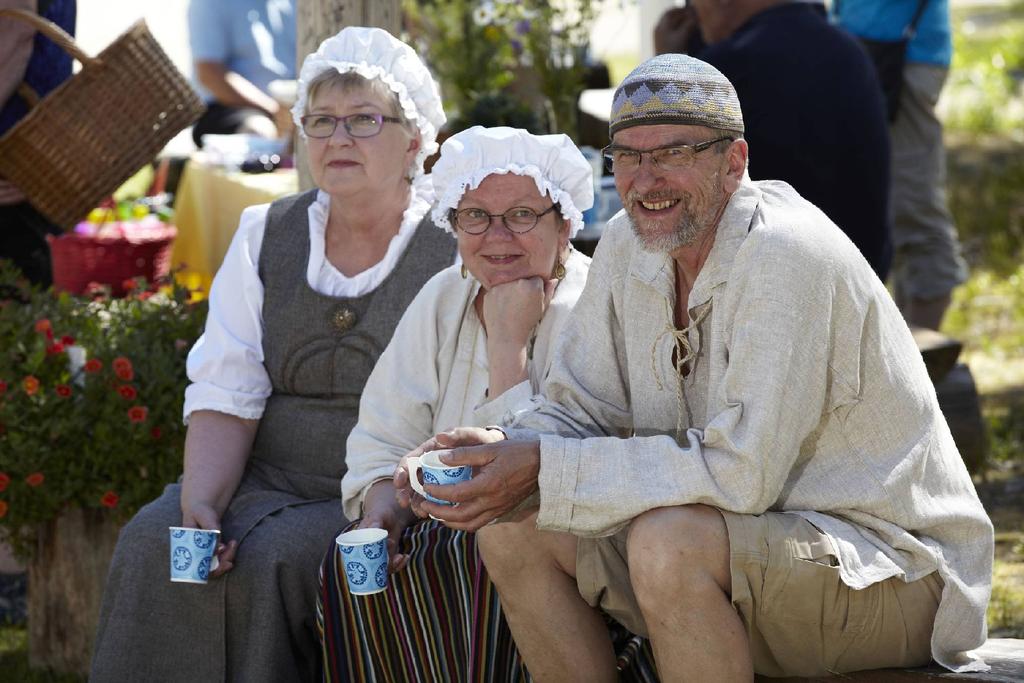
x,y
512,310
511,313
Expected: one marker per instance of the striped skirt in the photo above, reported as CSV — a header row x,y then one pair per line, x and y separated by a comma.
x,y
439,620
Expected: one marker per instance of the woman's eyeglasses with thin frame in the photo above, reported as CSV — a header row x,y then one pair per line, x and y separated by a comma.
x,y
518,219
361,125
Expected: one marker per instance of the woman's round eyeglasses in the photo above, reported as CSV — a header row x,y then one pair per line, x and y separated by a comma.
x,y
668,158
362,125
518,219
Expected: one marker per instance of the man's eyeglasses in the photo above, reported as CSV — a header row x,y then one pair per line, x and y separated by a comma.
x,y
669,158
363,125
518,219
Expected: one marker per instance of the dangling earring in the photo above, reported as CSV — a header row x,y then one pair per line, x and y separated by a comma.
x,y
559,271
465,272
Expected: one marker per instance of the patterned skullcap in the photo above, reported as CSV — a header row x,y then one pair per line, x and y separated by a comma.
x,y
679,89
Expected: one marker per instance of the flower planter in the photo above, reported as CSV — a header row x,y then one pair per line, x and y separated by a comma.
x,y
65,584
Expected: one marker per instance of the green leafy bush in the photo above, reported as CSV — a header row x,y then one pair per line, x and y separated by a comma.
x,y
479,49
91,392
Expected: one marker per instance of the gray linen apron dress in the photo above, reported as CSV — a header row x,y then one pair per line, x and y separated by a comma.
x,y
257,622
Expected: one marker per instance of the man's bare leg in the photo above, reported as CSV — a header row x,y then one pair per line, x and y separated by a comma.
x,y
679,568
560,636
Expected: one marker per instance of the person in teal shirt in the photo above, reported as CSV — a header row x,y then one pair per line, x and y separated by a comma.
x,y
927,260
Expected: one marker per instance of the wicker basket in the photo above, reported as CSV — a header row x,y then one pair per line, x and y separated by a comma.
x,y
80,142
81,260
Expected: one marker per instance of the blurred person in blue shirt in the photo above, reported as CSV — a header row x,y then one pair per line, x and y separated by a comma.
x,y
238,48
927,261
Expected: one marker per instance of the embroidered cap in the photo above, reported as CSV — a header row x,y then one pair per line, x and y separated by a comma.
x,y
675,89
556,165
375,53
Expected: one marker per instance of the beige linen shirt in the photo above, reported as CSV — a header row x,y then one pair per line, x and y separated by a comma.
x,y
433,376
806,394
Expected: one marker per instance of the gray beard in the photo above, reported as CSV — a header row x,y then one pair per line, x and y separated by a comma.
x,y
689,228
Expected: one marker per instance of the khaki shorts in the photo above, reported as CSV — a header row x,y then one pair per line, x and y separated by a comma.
x,y
801,619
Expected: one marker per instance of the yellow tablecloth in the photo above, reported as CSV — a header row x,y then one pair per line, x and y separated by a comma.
x,y
209,203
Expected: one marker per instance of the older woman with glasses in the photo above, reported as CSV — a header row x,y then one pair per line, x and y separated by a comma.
x,y
308,296
473,348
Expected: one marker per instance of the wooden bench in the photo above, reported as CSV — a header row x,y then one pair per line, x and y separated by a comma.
x,y
1004,655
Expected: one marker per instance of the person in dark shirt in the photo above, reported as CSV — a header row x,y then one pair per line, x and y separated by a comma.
x,y
33,59
812,105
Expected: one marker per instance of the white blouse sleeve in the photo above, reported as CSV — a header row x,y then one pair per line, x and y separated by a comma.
x,y
226,364
396,411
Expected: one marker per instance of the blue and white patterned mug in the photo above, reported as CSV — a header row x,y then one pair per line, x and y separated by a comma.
x,y
193,554
364,555
436,472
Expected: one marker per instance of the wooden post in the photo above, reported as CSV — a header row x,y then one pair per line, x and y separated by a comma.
x,y
65,583
321,19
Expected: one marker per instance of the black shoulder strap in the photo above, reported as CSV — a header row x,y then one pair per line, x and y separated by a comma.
x,y
911,29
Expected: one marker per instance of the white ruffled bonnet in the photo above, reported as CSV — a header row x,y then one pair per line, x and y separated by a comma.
x,y
556,165
375,53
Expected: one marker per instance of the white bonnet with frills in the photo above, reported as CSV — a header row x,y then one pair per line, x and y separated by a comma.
x,y
375,53
556,165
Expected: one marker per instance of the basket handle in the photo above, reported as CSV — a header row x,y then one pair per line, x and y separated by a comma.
x,y
55,33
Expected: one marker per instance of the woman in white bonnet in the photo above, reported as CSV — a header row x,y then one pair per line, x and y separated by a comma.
x,y
473,348
308,296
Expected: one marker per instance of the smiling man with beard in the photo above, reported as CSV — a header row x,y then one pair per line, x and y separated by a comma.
x,y
740,454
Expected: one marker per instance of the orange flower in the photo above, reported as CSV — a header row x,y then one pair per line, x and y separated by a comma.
x,y
138,413
5,479
127,392
43,326
3,509
109,499
35,479
93,365
123,368
31,385
63,390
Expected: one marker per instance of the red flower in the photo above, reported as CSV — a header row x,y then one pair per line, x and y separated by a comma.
x,y
93,365
109,499
63,390
3,387
3,509
67,340
5,479
43,326
54,349
123,368
127,392
30,384
128,285
35,479
145,295
155,432
138,413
